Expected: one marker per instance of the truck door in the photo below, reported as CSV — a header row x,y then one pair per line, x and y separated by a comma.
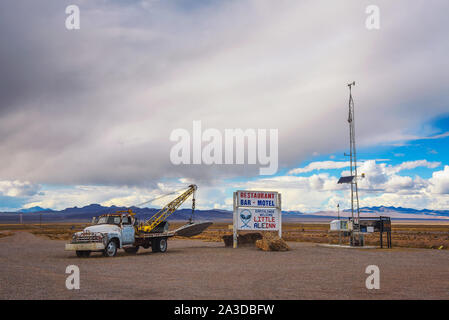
x,y
127,230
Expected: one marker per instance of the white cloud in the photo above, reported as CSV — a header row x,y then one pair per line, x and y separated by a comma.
x,y
320,165
381,177
431,137
63,197
18,188
364,165
408,165
398,183
318,192
420,200
440,181
381,186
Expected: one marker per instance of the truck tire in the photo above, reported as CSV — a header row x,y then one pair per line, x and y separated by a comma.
x,y
111,249
132,250
82,254
159,245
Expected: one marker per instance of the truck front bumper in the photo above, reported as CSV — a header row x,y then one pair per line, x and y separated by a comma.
x,y
92,246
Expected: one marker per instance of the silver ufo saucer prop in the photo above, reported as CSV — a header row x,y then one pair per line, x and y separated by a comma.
x,y
192,229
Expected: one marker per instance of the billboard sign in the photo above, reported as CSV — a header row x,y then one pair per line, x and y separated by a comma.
x,y
258,219
257,211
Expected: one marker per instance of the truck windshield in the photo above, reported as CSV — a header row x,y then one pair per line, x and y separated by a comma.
x,y
109,220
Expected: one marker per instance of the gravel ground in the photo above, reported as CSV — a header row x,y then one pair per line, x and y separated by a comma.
x,y
34,268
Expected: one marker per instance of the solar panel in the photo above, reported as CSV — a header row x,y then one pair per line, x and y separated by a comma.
x,y
347,179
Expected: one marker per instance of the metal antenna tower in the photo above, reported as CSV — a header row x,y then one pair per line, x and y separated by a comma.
x,y
353,163
356,236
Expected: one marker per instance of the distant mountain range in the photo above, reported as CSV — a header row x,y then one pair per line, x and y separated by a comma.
x,y
405,210
87,212
93,210
34,209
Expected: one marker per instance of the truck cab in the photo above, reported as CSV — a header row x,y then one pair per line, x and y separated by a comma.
x,y
121,224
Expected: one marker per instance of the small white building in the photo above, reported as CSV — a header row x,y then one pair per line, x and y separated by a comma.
x,y
339,225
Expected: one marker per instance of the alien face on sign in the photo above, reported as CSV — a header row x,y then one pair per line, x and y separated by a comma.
x,y
245,215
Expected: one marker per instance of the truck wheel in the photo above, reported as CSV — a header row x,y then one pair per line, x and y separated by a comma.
x,y
82,254
111,249
159,245
132,250
163,245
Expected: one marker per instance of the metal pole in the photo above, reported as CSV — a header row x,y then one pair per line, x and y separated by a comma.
x,y
234,221
381,244
389,237
350,160
339,226
353,166
280,215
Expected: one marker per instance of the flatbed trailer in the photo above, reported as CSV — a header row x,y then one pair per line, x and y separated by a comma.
x,y
147,240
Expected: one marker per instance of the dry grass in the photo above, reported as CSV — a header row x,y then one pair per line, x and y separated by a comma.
x,y
55,231
5,234
413,235
272,242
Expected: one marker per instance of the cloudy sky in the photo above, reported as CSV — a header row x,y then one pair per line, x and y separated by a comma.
x,y
86,115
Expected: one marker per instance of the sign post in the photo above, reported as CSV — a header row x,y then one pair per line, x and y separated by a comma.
x,y
234,221
256,211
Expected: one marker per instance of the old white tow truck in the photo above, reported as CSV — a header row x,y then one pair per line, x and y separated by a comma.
x,y
121,230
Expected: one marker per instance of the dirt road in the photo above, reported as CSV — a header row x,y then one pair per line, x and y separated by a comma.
x,y
34,268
